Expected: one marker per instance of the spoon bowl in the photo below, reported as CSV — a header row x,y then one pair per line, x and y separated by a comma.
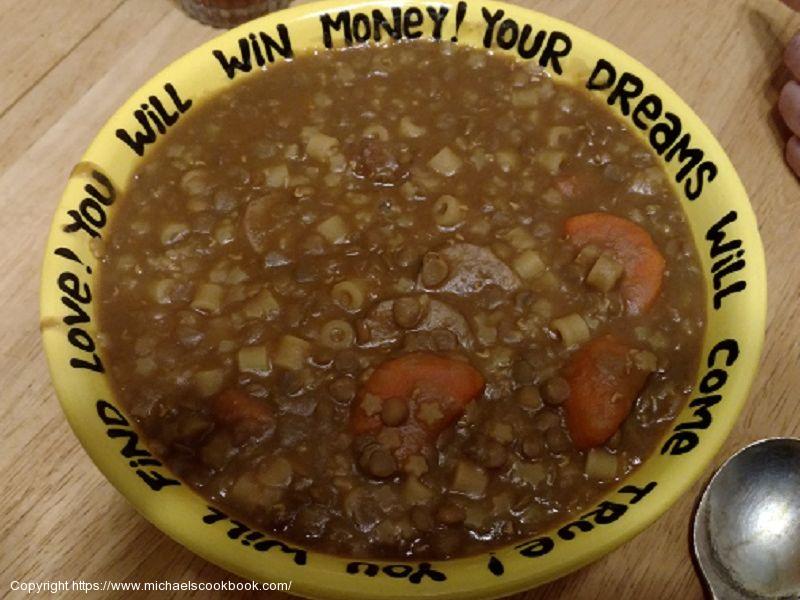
x,y
747,525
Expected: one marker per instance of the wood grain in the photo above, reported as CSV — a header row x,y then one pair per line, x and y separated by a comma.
x,y
66,66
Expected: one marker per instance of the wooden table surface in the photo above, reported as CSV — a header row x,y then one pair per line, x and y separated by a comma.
x,y
65,65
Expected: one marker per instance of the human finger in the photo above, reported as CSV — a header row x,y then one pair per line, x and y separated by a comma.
x,y
793,154
792,55
789,106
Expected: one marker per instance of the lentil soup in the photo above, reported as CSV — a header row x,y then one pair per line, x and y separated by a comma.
x,y
414,300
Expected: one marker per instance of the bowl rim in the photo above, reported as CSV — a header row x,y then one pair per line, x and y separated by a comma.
x,y
754,310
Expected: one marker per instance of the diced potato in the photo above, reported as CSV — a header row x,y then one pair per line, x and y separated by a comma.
x,y
416,465
506,160
262,306
209,382
246,491
525,98
601,465
647,182
552,197
501,504
277,176
556,135
292,352
645,361
409,130
587,256
277,473
477,516
543,308
196,204
415,493
470,479
254,359
353,501
389,437
161,291
547,281
426,180
301,189
520,238
500,357
332,179
605,273
403,285
292,152
480,227
551,160
445,162
125,263
333,229
484,331
356,198
321,147
658,340
225,233
226,346
220,272
528,264
364,217
479,158
389,530
195,182
307,132
145,366
531,473
236,275
572,329
322,100
476,60
371,404
173,232
208,298
337,163
218,451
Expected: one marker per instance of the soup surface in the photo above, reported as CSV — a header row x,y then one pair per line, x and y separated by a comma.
x,y
406,301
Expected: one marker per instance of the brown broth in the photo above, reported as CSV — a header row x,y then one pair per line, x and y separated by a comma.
x,y
249,287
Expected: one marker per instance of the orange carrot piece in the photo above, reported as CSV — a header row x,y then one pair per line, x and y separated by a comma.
x,y
437,389
629,244
604,383
234,406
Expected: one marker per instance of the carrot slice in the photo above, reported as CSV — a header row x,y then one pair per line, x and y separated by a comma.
x,y
604,383
437,390
629,244
234,406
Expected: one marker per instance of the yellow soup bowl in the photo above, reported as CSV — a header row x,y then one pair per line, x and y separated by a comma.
x,y
716,205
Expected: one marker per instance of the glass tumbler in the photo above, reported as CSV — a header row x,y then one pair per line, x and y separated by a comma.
x,y
228,13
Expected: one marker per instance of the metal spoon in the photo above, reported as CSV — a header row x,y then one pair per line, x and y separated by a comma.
x,y
747,524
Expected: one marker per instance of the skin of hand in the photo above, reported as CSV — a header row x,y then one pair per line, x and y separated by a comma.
x,y
789,101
